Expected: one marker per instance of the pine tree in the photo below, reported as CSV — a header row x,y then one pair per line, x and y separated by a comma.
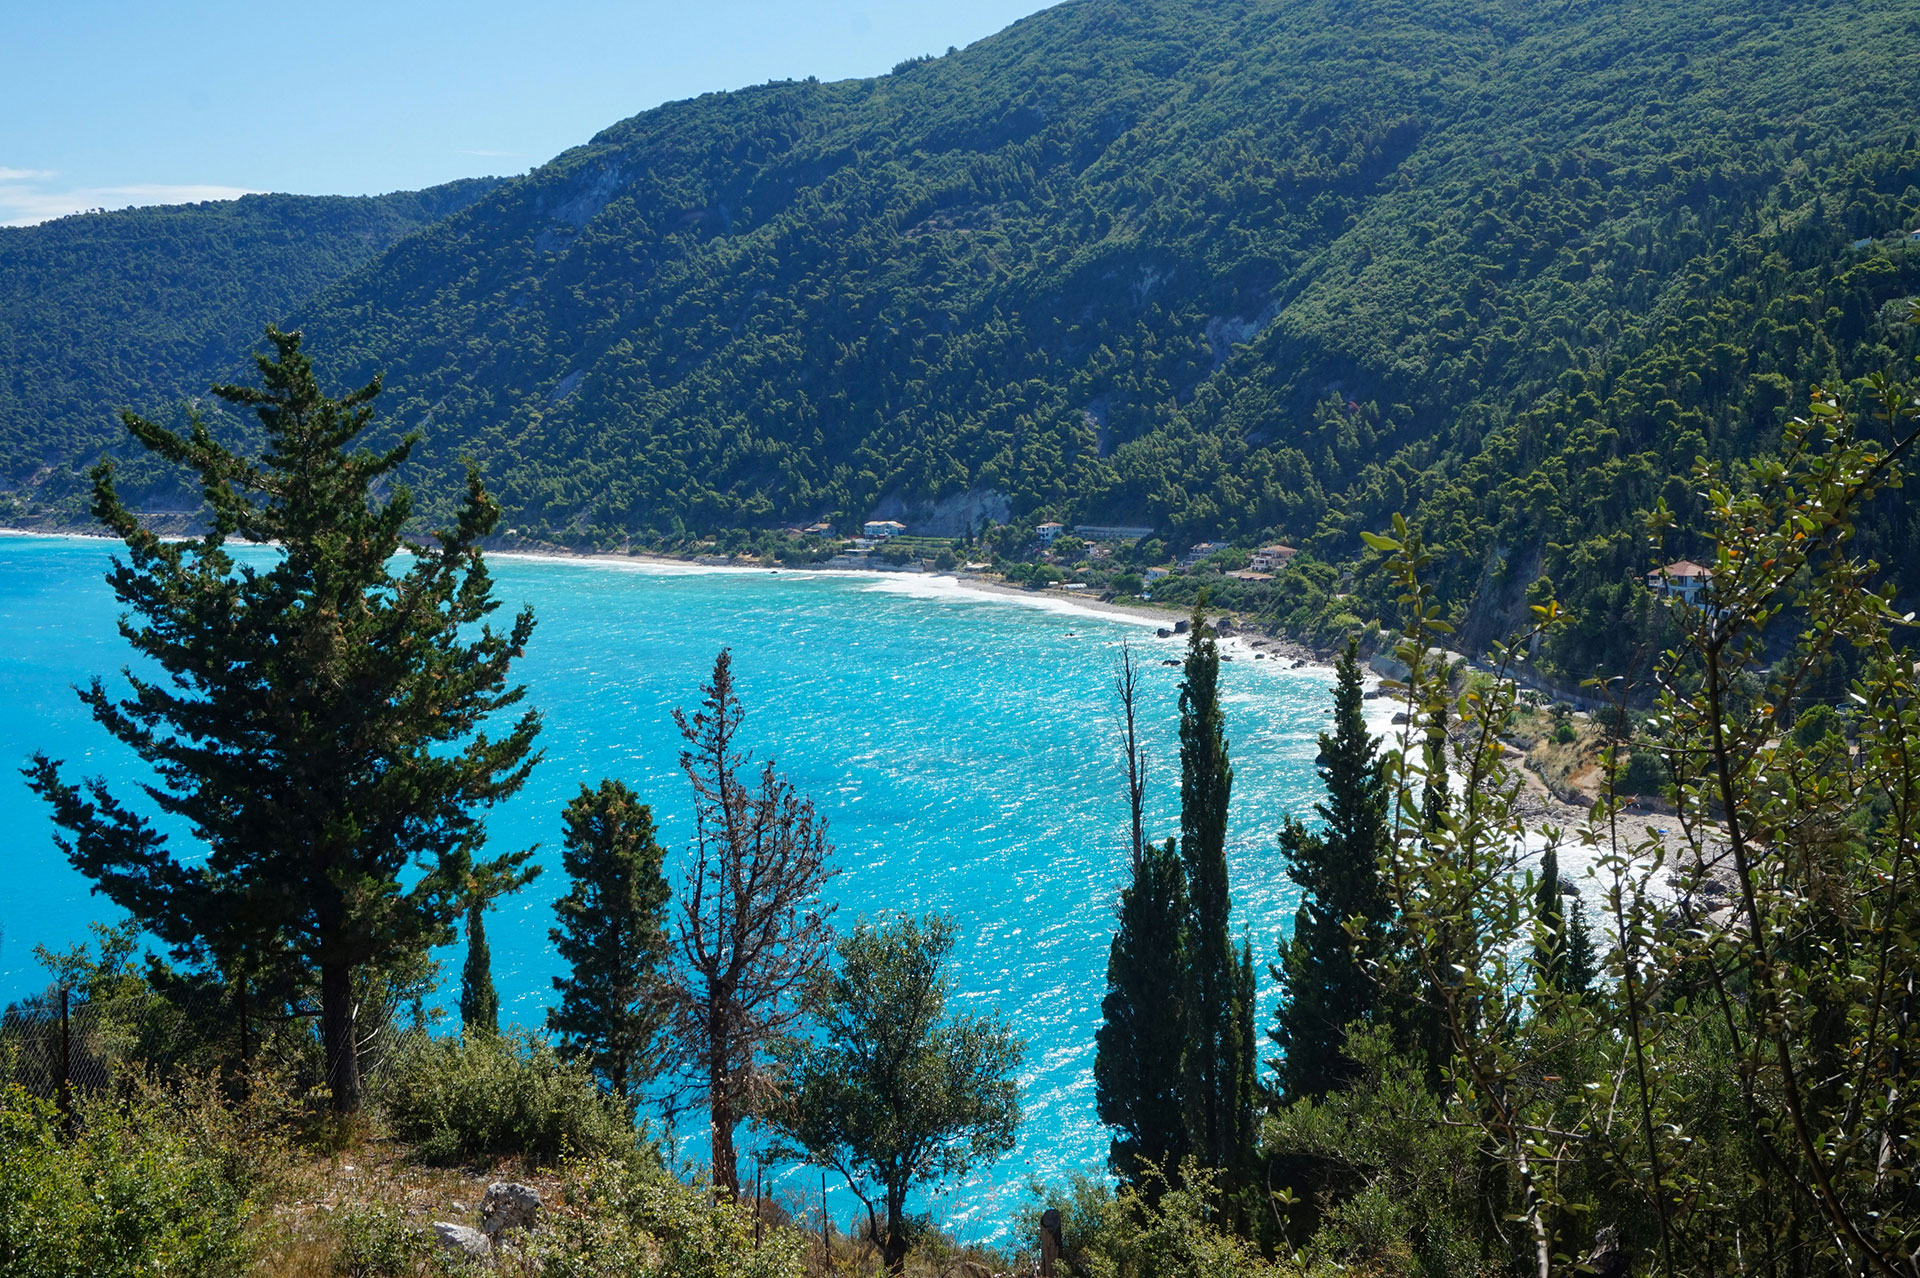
x,y
1140,1048
1323,967
479,1002
317,722
613,935
1220,1065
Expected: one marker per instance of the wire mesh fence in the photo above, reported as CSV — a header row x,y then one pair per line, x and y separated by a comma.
x,y
64,1043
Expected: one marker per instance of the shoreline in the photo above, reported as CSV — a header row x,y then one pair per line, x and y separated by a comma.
x,y
1256,645
939,583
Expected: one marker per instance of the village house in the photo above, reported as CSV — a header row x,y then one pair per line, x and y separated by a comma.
x,y
1198,552
1272,558
881,529
1049,532
1682,579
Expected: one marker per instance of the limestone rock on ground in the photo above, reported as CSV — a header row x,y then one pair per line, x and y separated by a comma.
x,y
463,1240
509,1205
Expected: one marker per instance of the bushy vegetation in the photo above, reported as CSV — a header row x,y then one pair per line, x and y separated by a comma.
x,y
634,1219
480,1096
152,1183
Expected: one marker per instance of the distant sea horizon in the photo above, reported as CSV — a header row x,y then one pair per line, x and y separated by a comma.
x,y
960,744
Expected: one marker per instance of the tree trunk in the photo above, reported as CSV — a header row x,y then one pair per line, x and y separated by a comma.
x,y
242,1074
894,1249
337,1034
720,1109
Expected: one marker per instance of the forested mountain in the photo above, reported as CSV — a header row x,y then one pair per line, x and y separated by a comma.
x,y
1235,268
146,307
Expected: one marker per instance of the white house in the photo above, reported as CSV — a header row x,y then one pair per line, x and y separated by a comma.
x,y
881,529
1271,558
1048,531
1200,551
1682,579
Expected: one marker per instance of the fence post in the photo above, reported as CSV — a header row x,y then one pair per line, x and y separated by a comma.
x,y
63,1097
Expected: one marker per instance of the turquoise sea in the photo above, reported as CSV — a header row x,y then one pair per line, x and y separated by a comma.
x,y
961,746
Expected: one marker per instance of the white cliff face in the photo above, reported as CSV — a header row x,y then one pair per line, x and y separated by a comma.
x,y
955,515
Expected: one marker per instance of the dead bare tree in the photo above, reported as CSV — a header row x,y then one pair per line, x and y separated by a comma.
x,y
751,928
1126,681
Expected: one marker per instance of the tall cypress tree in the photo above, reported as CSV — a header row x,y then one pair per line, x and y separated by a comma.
x,y
1322,968
318,721
1550,925
613,935
1563,957
1219,1005
479,1001
1140,1048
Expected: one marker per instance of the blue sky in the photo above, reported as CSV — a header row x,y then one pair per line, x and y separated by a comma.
x,y
105,103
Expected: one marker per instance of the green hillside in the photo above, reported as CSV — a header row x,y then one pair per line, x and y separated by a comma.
x,y
148,306
1235,268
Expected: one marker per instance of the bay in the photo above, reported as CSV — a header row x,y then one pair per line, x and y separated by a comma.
x,y
961,746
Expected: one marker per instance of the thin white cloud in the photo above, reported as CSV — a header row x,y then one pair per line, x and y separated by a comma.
x,y
26,203
24,175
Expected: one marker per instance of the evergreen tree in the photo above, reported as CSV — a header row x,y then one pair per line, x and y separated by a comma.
x,y
613,935
1549,925
1582,964
1139,1049
1323,967
1563,957
479,1002
317,725
1219,1066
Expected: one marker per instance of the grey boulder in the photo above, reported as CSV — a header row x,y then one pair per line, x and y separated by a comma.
x,y
463,1240
509,1205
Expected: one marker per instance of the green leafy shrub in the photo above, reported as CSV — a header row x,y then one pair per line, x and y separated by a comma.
x,y
636,1220
1645,773
155,1186
486,1095
1159,1229
374,1242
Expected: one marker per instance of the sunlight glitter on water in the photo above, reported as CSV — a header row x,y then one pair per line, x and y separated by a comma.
x,y
961,747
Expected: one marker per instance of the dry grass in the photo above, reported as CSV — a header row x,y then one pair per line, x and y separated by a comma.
x,y
304,1229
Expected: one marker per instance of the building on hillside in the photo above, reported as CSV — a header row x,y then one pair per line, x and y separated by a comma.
x,y
1155,574
1682,579
1247,574
881,529
1200,551
822,529
1049,532
1272,558
1111,532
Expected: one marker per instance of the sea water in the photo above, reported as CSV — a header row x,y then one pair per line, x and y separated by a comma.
x,y
960,745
